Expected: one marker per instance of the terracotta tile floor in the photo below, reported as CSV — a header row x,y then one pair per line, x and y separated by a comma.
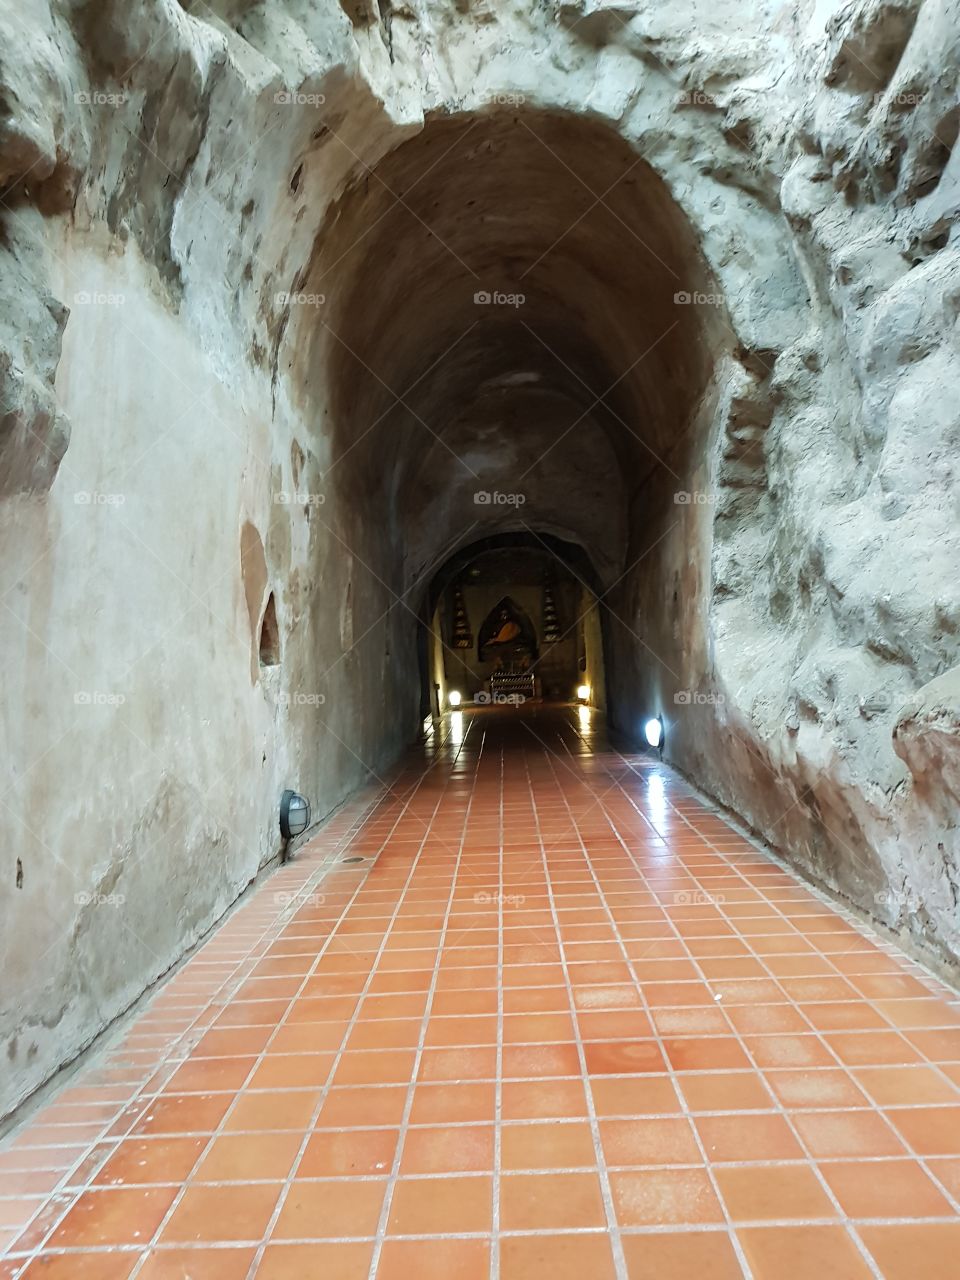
x,y
560,1020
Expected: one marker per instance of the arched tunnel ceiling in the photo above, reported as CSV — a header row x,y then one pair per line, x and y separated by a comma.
x,y
569,397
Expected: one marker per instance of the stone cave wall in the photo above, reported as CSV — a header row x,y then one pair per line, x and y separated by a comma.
x,y
800,618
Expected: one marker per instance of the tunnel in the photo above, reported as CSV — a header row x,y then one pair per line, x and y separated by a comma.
x,y
480,633
525,352
509,348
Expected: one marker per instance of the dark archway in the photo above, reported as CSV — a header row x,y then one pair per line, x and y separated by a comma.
x,y
527,572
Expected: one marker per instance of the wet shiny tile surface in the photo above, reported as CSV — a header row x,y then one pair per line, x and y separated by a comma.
x,y
562,1020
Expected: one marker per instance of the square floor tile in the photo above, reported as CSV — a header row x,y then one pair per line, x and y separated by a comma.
x,y
773,1193
535,1028
461,1149
789,1051
350,1154
16,1212
433,1206
821,1088
293,1109
947,1172
724,1091
620,996
906,1086
293,1071
307,1037
907,1252
449,1103
830,1134
150,1160
649,1141
536,1000
207,1213
547,1146
433,1260
385,1066
540,1060
885,1189
114,1215
550,1201
206,1075
457,1064
184,1113
198,1264
929,1130
327,1210
844,1015
76,1266
619,1057
458,1032
690,1022
543,1099
619,1024
748,1137
803,1253
664,1197
911,1013
352,1107
708,1053
566,1257
242,1157
345,1260
865,1048
701,1255
461,1003
651,1095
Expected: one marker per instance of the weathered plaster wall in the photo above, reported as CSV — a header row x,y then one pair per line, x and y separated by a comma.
x,y
145,747
134,829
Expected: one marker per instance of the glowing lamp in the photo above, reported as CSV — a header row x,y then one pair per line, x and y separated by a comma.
x,y
583,693
454,698
653,732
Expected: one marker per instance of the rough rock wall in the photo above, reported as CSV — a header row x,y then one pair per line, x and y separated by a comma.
x,y
165,176
810,673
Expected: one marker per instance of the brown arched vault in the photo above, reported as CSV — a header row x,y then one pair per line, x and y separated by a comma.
x,y
505,315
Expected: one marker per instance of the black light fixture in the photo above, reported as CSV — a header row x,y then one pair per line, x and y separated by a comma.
x,y
294,815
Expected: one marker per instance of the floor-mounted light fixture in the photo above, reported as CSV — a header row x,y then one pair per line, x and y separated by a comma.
x,y
294,815
653,732
583,693
454,698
